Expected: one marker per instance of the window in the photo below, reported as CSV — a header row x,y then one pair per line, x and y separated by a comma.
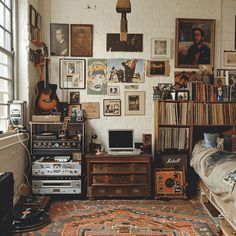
x,y
6,60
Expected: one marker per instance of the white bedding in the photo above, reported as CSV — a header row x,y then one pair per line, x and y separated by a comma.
x,y
219,176
216,168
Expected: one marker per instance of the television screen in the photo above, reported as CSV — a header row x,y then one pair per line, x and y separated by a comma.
x,y
120,139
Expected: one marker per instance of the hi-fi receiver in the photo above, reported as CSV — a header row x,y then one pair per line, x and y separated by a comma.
x,y
46,167
170,181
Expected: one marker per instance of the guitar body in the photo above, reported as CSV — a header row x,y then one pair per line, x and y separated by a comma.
x,y
47,99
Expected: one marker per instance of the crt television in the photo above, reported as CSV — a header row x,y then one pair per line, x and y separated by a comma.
x,y
120,139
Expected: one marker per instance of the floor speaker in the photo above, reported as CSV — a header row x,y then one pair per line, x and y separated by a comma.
x,y
6,203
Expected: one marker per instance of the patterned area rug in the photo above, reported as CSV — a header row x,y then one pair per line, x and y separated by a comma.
x,y
128,218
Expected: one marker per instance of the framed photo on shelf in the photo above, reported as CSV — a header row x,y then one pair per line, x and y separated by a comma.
x,y
230,58
195,42
135,102
182,95
74,97
232,83
161,48
81,40
72,73
111,107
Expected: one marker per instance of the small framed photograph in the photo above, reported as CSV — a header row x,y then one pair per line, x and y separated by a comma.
x,y
147,139
113,90
38,21
182,95
147,143
81,40
72,73
72,108
92,109
230,58
74,97
33,16
161,48
156,68
111,107
219,81
135,102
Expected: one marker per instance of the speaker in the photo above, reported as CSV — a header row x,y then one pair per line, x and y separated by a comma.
x,y
169,181
6,203
176,160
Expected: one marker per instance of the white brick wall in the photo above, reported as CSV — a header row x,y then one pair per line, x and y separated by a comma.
x,y
152,18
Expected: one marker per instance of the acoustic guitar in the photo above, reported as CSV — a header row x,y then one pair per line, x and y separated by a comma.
x,y
46,100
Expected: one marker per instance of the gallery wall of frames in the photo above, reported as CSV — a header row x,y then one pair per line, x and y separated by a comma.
x,y
114,80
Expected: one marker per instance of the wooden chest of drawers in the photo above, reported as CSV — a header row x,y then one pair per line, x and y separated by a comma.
x,y
119,176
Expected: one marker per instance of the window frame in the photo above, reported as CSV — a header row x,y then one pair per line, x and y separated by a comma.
x,y
11,54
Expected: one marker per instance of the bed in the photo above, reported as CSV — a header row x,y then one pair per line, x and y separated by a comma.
x,y
217,170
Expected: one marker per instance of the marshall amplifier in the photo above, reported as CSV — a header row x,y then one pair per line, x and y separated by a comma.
x,y
6,203
176,160
170,182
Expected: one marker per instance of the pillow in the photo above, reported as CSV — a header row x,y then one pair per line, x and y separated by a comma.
x,y
210,140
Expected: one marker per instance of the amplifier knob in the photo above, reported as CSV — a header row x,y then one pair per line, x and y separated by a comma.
x,y
56,145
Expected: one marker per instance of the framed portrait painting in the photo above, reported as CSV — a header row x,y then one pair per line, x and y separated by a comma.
x,y
161,48
59,39
195,42
111,107
72,73
135,103
81,40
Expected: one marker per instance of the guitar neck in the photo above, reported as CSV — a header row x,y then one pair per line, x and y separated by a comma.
x,y
65,123
46,72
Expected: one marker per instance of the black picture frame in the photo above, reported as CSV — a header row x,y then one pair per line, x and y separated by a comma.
x,y
33,16
111,107
182,95
72,73
74,97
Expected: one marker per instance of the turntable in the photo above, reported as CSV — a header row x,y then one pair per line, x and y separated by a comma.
x,y
29,219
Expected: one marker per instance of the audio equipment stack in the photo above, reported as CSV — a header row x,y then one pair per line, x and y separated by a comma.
x,y
170,175
57,159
